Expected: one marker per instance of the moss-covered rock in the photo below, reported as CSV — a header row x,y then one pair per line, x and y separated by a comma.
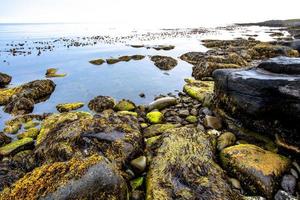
x,y
258,170
111,61
31,133
200,90
191,119
184,168
30,124
90,178
97,61
52,73
66,107
124,105
157,129
16,146
164,62
137,57
65,135
19,106
205,69
155,117
225,140
101,103
136,183
4,79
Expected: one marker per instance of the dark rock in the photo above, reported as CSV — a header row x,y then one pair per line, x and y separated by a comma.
x,y
289,183
101,103
193,174
4,79
19,106
264,101
164,62
282,195
92,178
4,139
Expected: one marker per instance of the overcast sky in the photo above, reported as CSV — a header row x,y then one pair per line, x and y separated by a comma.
x,y
148,13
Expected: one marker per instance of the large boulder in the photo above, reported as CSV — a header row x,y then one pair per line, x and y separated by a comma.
x,y
64,135
258,170
91,178
265,98
18,99
184,167
4,79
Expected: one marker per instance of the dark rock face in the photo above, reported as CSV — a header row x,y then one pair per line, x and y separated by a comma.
x,y
19,106
184,167
164,62
4,79
266,98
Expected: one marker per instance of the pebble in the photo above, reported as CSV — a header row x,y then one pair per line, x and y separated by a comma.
x,y
282,195
294,173
139,163
288,183
235,183
183,113
212,122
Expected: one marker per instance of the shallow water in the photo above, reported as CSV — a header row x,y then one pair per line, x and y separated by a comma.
x,y
122,80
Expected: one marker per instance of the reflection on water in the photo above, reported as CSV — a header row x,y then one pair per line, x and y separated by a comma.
x,y
84,80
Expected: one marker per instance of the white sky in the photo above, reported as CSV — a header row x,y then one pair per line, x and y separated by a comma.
x,y
148,13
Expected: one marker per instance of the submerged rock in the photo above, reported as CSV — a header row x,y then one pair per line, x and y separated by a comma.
x,y
66,107
193,174
4,79
164,62
93,178
259,170
101,103
52,72
265,98
20,99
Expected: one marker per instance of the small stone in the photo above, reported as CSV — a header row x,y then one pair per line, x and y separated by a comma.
x,y
139,163
225,140
138,195
155,117
212,122
162,103
183,113
194,112
16,146
66,107
214,132
128,113
294,173
289,183
191,119
142,95
235,183
295,164
51,73
101,103
144,125
205,111
282,195
124,105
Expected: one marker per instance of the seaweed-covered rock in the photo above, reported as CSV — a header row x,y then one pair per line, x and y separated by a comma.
x,y
78,133
205,69
155,117
258,169
4,79
157,129
265,98
29,133
184,167
66,107
124,105
92,178
16,146
225,140
19,106
164,62
97,61
101,103
200,90
35,91
52,73
162,103
4,139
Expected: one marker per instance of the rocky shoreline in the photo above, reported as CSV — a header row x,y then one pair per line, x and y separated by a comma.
x,y
231,133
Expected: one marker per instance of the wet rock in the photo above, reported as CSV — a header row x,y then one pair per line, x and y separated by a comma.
x,y
225,140
205,69
266,98
79,133
235,183
101,103
38,91
30,133
259,169
124,105
139,163
97,61
164,62
289,183
266,50
193,57
282,195
52,72
137,57
162,103
19,106
191,119
111,61
157,129
200,90
4,139
16,146
155,117
66,107
93,178
4,79
183,113
142,95
189,175
212,122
